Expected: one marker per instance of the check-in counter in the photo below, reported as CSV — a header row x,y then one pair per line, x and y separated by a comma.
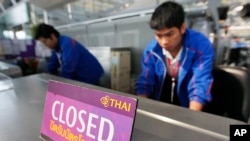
x,y
10,70
21,112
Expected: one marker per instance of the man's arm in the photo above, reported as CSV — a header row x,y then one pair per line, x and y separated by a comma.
x,y
146,80
70,56
200,85
53,63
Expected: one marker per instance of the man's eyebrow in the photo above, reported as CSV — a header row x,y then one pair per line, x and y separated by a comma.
x,y
167,33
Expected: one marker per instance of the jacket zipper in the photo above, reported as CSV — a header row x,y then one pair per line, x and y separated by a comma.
x,y
165,70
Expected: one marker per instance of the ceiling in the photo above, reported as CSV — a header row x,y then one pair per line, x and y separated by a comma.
x,y
69,11
64,12
60,12
49,4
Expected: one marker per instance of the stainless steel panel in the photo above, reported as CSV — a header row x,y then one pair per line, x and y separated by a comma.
x,y
101,52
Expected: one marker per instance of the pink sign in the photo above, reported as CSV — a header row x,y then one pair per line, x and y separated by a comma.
x,y
74,113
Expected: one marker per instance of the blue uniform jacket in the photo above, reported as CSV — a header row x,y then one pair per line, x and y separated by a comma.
x,y
76,62
195,73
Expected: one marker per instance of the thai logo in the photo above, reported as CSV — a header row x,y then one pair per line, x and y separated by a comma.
x,y
105,101
114,103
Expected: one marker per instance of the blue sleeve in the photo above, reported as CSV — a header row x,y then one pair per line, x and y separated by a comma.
x,y
70,58
200,85
146,81
53,64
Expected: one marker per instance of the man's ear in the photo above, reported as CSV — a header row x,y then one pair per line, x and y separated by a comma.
x,y
183,28
53,36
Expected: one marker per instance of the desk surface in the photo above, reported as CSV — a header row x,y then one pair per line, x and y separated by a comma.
x,y
10,70
21,111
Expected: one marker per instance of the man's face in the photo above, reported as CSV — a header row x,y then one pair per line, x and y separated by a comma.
x,y
49,42
170,38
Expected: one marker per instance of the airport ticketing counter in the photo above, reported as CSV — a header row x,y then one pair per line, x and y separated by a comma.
x,y
22,115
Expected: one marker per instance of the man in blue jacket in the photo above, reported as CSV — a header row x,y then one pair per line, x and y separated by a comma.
x,y
73,59
177,64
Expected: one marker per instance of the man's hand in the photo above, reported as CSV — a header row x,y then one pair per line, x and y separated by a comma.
x,y
142,95
196,106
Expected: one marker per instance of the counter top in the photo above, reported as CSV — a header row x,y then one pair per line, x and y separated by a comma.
x,y
10,70
21,111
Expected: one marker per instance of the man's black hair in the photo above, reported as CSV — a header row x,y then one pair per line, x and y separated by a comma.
x,y
45,31
169,14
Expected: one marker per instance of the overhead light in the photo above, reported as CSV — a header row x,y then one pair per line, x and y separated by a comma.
x,y
69,11
239,27
126,5
238,8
